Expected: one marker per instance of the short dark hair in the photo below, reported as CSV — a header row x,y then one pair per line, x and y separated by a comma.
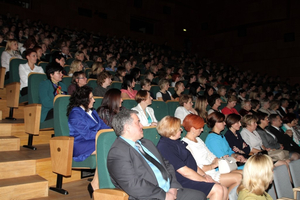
x,y
213,118
212,99
232,119
29,51
122,118
288,118
52,68
272,117
76,76
261,116
141,95
254,103
283,100
127,81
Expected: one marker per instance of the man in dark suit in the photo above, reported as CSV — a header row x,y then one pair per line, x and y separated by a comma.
x,y
283,137
283,108
134,172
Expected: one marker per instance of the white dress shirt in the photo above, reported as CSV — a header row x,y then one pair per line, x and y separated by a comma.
x,y
24,71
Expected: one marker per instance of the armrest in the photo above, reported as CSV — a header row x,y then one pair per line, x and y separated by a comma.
x,y
297,189
110,194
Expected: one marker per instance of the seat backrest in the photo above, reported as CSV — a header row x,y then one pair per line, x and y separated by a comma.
x,y
14,69
1,51
61,127
223,105
89,63
129,103
67,80
172,90
137,87
238,107
98,102
43,65
160,109
295,172
205,132
34,80
67,68
116,84
186,91
69,61
92,83
271,191
104,140
154,89
172,106
87,72
282,182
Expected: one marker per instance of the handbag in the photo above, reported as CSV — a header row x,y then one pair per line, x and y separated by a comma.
x,y
227,164
279,154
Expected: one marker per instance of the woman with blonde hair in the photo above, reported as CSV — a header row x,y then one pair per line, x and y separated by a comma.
x,y
97,68
11,51
179,88
76,66
164,94
200,106
255,181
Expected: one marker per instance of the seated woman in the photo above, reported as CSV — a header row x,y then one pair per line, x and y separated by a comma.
x,y
127,90
80,55
290,122
255,105
188,174
206,160
208,91
58,60
185,108
25,69
103,84
215,102
110,106
265,104
194,90
84,123
111,64
48,89
76,66
164,94
230,106
202,80
39,54
256,182
200,107
250,135
246,107
222,93
179,88
97,68
145,113
11,51
146,85
274,105
233,136
175,79
78,80
120,74
136,73
216,142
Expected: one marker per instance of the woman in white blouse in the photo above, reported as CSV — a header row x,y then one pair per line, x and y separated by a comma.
x,y
205,159
25,69
145,113
185,108
11,51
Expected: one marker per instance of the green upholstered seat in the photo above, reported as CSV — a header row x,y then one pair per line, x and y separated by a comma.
x,y
186,91
43,65
14,69
112,73
98,102
223,105
34,80
87,72
160,109
129,103
67,68
47,124
61,128
1,50
69,61
205,132
92,83
89,63
172,106
154,89
116,84
238,107
172,90
137,87
67,80
155,80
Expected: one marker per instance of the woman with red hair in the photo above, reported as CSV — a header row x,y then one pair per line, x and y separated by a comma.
x,y
204,158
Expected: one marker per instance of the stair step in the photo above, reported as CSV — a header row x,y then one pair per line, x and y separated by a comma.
x,y
5,128
26,187
13,169
9,143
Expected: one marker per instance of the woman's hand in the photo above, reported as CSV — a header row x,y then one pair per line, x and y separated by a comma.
x,y
235,149
240,158
208,179
192,110
153,124
289,133
215,163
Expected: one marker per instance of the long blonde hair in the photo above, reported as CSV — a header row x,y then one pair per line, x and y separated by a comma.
x,y
257,174
200,106
75,66
9,43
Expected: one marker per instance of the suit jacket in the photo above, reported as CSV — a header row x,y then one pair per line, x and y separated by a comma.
x,y
142,116
46,96
285,140
281,112
268,140
130,172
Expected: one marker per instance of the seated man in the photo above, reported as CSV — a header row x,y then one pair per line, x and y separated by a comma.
x,y
136,166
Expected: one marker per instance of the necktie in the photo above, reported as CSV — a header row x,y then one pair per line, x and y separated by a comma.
x,y
153,161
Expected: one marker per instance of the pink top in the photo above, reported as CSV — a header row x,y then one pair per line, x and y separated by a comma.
x,y
227,111
130,94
